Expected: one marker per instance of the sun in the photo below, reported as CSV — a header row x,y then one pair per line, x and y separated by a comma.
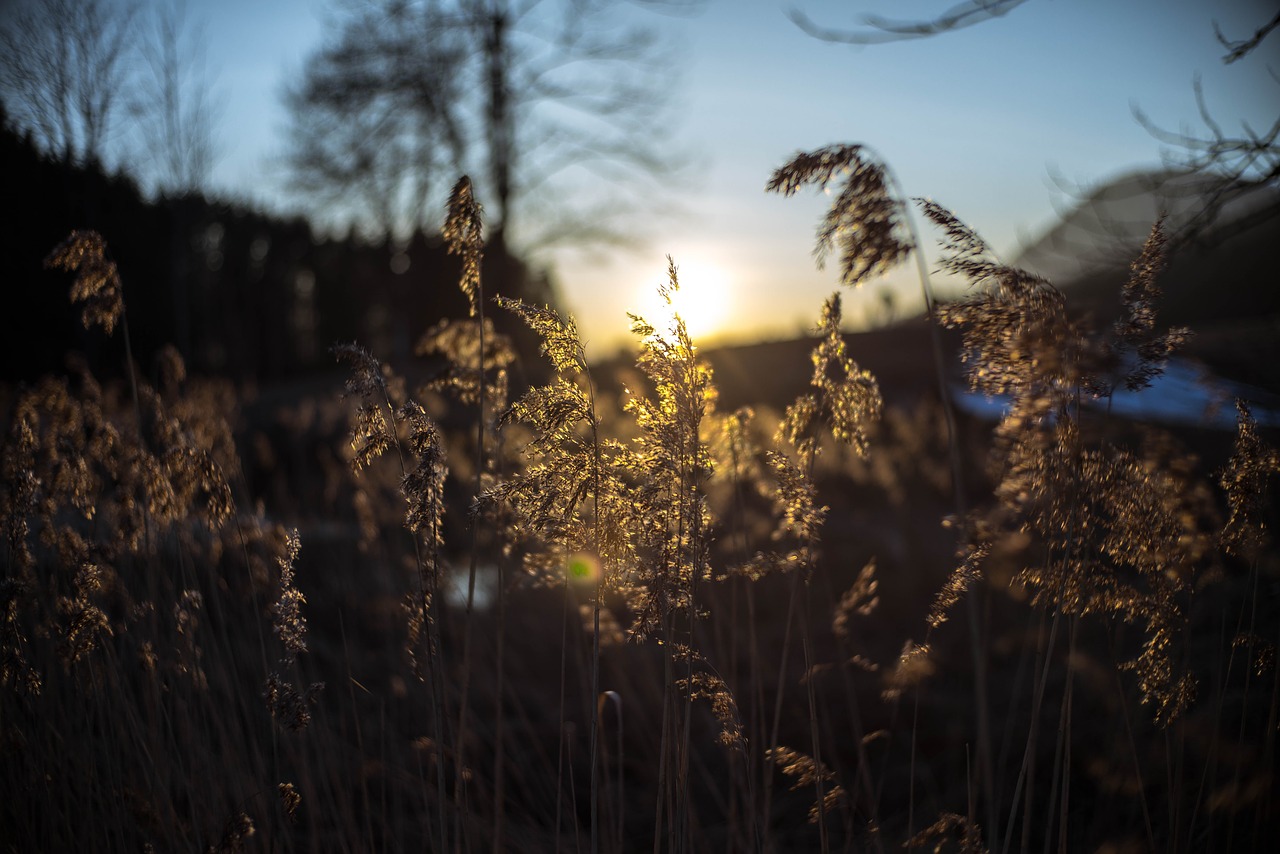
x,y
702,301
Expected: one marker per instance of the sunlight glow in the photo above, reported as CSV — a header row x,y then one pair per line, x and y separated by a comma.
x,y
703,300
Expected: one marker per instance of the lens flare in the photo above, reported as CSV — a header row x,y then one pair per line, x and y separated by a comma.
x,y
583,568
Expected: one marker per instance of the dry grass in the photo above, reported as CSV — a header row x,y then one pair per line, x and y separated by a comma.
x,y
679,628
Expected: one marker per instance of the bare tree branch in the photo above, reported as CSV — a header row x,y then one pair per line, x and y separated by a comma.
x,y
1240,49
377,115
1238,166
878,30
173,106
63,65
517,92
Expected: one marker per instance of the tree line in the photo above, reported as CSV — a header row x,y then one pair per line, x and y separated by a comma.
x,y
262,296
110,123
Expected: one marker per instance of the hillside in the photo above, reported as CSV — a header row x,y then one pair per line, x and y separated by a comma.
x,y
1221,285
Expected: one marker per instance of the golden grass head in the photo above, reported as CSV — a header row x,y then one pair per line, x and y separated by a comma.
x,y
464,235
97,282
288,621
858,601
807,771
865,224
1245,480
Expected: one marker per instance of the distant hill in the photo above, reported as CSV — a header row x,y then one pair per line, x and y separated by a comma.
x,y
773,373
900,357
1223,285
1106,228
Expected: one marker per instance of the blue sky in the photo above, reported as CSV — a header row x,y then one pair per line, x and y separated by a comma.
x,y
977,119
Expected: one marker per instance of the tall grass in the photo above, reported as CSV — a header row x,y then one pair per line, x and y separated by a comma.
x,y
678,628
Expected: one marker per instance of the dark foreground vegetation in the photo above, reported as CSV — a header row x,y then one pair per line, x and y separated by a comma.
x,y
456,609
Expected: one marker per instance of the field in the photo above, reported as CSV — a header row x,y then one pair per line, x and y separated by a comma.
x,y
757,599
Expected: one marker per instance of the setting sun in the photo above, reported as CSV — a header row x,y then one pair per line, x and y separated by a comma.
x,y
702,300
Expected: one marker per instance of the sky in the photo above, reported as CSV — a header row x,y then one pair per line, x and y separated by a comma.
x,y
989,121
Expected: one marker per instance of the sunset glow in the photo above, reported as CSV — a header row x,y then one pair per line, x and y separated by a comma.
x,y
702,301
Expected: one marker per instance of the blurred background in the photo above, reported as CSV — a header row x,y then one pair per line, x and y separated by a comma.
x,y
272,178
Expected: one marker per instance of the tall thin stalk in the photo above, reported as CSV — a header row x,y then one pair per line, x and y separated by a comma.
x,y
464,236
977,648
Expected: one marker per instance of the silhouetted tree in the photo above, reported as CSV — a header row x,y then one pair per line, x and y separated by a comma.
x,y
526,92
173,103
174,116
63,66
265,295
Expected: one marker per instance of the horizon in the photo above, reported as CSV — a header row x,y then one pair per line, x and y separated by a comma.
x,y
991,121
